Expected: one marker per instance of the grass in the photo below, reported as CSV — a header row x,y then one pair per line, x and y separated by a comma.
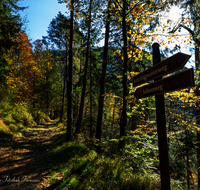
x,y
77,165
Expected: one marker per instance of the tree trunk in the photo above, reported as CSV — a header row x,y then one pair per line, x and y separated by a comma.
x,y
35,114
132,123
78,126
69,134
47,98
197,64
91,107
125,89
65,82
113,119
103,77
63,99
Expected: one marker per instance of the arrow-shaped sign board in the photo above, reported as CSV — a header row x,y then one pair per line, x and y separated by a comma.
x,y
179,81
167,66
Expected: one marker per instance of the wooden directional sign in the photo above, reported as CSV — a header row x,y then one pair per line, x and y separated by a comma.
x,y
173,63
181,80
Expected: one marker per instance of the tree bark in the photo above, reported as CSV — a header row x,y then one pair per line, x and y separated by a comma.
x,y
103,77
113,119
197,64
91,99
78,126
69,134
125,88
65,82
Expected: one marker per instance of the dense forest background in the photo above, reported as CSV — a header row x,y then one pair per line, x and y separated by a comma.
x,y
66,76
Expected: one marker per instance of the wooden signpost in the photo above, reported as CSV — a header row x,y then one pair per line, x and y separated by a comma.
x,y
173,63
160,86
181,80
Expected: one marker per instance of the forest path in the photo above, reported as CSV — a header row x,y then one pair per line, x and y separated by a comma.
x,y
24,163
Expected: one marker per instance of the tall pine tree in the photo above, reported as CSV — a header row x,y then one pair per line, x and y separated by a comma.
x,y
10,25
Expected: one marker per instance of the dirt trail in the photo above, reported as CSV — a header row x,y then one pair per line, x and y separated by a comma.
x,y
23,161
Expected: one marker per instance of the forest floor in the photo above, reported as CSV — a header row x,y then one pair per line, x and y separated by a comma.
x,y
42,159
23,161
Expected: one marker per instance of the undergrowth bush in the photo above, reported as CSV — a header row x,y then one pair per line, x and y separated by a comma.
x,y
8,119
4,130
42,117
142,150
14,119
77,165
39,116
21,114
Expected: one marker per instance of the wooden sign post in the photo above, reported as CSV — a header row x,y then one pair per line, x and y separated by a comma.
x,y
160,86
161,129
173,63
175,82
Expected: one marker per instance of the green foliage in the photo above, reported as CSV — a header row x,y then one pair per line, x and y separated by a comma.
x,y
142,150
41,116
4,130
9,28
57,32
14,119
21,114
76,165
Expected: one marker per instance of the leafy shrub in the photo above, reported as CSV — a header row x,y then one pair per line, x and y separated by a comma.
x,y
8,119
13,128
21,115
14,119
40,117
142,151
4,129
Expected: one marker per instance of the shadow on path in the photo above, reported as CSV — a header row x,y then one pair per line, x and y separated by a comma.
x,y
23,161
